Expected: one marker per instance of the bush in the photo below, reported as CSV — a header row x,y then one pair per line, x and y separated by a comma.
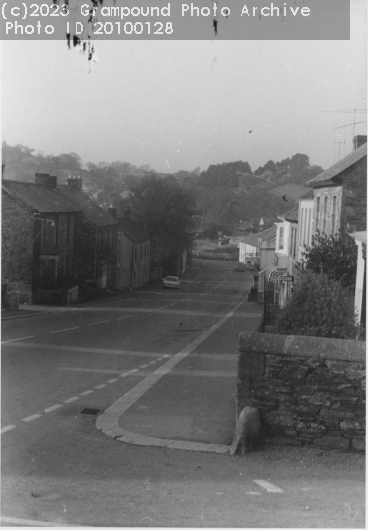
x,y
319,307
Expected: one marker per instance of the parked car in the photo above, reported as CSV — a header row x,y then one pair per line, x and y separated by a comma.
x,y
171,282
240,267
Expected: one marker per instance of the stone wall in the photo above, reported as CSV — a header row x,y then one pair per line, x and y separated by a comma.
x,y
16,251
309,391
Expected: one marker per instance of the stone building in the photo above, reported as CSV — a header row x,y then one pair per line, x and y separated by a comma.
x,y
340,193
95,237
38,229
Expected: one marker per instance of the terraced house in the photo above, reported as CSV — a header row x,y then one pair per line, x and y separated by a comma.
x,y
53,236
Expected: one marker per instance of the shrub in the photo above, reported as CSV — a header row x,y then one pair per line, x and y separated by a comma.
x,y
319,307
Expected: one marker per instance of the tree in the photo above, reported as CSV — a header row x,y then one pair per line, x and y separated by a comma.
x,y
334,256
319,307
164,210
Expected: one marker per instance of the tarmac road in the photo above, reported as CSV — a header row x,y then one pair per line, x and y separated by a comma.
x,y
59,469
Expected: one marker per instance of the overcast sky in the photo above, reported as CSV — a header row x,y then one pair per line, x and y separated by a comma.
x,y
183,104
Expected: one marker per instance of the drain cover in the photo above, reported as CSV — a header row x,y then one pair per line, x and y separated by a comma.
x,y
92,412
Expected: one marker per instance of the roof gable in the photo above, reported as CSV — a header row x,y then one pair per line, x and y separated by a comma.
x,y
339,167
132,231
87,206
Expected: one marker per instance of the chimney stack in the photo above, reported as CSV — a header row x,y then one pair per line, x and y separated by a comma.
x,y
75,182
359,140
44,179
112,212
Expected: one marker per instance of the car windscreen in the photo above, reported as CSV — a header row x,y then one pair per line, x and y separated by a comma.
x,y
171,278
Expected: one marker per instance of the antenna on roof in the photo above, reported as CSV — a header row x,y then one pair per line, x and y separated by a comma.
x,y
347,111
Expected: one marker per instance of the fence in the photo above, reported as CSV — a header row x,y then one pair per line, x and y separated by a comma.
x,y
55,296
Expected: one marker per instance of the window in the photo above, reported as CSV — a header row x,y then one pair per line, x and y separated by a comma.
x,y
291,241
308,225
333,228
281,238
324,215
56,233
317,212
67,228
301,228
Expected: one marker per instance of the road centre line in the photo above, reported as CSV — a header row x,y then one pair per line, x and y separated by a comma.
x,y
101,322
112,380
13,340
66,329
7,428
98,387
270,488
29,522
54,407
86,393
129,316
70,400
31,418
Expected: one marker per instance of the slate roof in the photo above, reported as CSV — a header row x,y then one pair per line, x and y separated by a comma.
x,y
339,167
87,206
40,198
251,240
132,231
291,215
269,233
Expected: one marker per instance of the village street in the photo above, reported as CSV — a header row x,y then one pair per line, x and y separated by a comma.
x,y
59,469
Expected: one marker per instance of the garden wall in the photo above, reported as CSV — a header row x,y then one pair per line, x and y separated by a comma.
x,y
309,390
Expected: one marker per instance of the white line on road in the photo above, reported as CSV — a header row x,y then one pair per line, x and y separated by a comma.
x,y
100,386
144,365
54,407
29,522
121,318
13,340
102,322
132,371
70,400
31,418
7,428
86,393
61,330
112,380
268,486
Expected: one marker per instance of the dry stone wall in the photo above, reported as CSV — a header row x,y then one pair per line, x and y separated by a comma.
x,y
309,391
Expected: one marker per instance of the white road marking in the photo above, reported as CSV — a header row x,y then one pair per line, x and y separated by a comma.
x,y
100,386
152,362
132,371
7,428
112,380
70,400
54,407
121,318
31,418
123,375
13,340
101,322
144,365
268,486
61,330
86,393
29,522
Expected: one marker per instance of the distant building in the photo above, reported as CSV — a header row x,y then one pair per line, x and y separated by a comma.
x,y
133,253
